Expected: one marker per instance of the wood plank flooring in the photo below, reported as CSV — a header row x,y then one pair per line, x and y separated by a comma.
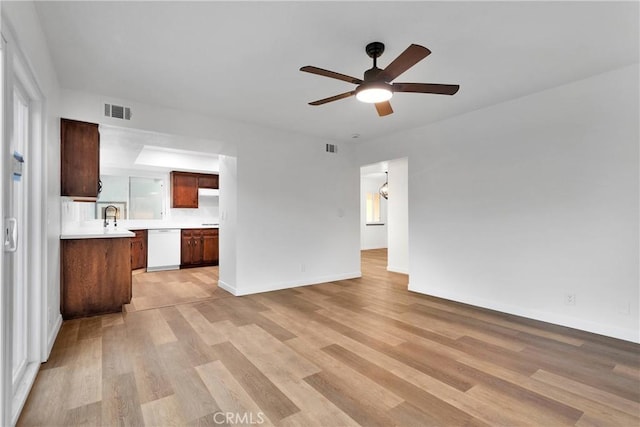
x,y
354,352
171,287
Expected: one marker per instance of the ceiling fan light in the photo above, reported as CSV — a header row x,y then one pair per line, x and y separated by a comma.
x,y
374,93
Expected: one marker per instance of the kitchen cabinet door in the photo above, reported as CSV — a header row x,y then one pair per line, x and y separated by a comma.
x,y
80,160
196,249
210,246
184,190
199,247
96,276
139,250
191,248
208,181
186,238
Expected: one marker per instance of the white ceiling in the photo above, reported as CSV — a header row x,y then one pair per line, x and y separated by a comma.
x,y
130,149
240,60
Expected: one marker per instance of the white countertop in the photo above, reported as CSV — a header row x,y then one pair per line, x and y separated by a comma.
x,y
95,234
169,226
95,230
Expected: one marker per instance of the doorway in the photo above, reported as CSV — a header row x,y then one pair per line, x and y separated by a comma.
x,y
385,220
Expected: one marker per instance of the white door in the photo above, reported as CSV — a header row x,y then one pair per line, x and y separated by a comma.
x,y
21,206
4,392
17,209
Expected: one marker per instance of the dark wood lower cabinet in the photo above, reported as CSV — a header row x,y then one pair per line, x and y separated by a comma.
x,y
139,250
210,246
199,247
96,276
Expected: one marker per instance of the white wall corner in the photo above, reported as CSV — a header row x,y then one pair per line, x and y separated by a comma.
x,y
229,288
397,269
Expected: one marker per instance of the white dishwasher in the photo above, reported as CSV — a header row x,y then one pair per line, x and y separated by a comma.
x,y
163,249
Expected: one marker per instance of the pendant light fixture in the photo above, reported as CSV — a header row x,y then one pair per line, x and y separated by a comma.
x,y
384,190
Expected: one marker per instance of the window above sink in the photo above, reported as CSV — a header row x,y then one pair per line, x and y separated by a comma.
x,y
136,197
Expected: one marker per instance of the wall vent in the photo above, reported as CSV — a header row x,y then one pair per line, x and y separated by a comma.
x,y
331,148
117,111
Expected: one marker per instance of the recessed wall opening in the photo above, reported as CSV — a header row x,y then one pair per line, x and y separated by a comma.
x,y
384,222
177,249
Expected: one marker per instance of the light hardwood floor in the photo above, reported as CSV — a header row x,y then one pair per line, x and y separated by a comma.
x,y
164,288
355,352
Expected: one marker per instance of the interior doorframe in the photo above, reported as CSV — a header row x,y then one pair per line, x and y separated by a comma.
x,y
16,68
5,361
392,248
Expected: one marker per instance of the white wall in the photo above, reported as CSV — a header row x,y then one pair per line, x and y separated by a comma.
x,y
202,133
398,204
228,222
208,211
516,205
297,206
372,236
298,214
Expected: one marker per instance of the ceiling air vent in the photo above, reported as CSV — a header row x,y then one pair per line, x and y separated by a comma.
x,y
117,111
331,148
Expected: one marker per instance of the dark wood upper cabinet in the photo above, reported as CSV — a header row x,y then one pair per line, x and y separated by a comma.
x,y
184,187
184,190
80,159
208,181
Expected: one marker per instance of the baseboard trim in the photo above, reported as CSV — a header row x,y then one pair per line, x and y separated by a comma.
x,y
163,268
227,287
397,270
53,334
24,387
295,284
553,318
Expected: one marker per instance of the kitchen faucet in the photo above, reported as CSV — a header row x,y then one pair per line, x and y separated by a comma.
x,y
115,215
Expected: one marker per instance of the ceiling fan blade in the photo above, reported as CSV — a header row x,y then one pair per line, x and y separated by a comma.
x,y
333,98
331,74
384,108
407,59
436,88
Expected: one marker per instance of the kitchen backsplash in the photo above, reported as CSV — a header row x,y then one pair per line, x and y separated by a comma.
x,y
78,213
208,211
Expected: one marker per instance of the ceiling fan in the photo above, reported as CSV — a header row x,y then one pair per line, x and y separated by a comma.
x,y
376,87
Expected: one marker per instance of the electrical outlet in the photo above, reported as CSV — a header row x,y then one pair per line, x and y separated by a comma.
x,y
624,308
570,299
303,268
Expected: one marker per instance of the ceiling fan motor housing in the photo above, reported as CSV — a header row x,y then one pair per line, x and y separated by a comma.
x,y
375,49
372,74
